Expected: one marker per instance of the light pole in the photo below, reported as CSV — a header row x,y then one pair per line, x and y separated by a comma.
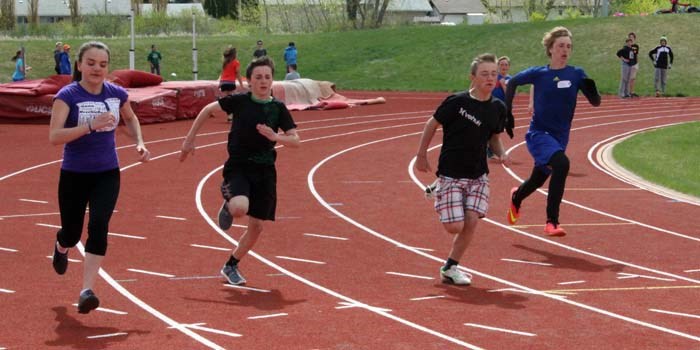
x,y
107,2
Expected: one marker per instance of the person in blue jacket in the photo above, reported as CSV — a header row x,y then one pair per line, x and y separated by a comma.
x,y
290,55
556,87
64,63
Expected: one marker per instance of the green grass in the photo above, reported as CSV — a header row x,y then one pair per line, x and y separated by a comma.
x,y
669,157
417,58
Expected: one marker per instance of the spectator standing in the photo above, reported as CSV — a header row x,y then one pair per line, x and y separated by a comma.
x,y
154,58
293,74
20,68
57,56
259,50
290,55
634,69
662,57
627,60
64,64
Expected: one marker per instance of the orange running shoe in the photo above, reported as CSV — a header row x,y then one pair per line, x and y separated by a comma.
x,y
513,211
554,230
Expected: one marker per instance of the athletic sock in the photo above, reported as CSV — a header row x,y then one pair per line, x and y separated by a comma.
x,y
232,261
449,263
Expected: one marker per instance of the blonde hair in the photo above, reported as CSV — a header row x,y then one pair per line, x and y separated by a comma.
x,y
503,58
551,36
485,57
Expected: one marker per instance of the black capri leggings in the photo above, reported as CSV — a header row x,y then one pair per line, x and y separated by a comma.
x,y
75,191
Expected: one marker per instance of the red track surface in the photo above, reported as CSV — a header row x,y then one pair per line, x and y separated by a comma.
x,y
626,276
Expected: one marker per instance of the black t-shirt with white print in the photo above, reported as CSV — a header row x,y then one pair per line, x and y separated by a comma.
x,y
245,144
467,126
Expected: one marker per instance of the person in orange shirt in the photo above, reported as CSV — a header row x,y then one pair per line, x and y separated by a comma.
x,y
230,72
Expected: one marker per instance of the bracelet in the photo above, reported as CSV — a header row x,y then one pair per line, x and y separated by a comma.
x,y
89,128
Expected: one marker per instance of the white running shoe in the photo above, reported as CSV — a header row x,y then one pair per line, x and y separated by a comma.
x,y
454,276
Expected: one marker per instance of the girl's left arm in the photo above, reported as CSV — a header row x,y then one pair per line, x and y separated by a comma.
x,y
132,122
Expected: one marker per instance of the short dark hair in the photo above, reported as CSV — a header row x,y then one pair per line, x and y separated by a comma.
x,y
291,43
259,42
259,62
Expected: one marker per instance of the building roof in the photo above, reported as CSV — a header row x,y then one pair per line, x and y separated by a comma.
x,y
57,8
409,5
447,7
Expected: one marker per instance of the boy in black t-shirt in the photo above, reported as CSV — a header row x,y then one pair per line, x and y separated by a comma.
x,y
250,178
470,121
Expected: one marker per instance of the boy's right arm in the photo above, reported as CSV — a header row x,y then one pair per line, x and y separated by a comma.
x,y
422,154
204,114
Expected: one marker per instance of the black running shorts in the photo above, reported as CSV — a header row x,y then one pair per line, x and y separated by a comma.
x,y
258,183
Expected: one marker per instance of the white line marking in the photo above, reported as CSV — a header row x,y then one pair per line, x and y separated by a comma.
x,y
171,217
151,273
212,330
350,305
267,316
407,275
427,298
106,335
571,282
27,215
109,233
8,291
324,236
111,311
247,288
238,225
69,259
127,280
500,329
300,260
195,277
210,247
527,262
421,249
632,275
15,250
695,270
675,313
33,201
335,204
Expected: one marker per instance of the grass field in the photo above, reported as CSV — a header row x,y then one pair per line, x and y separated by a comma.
x,y
417,58
669,157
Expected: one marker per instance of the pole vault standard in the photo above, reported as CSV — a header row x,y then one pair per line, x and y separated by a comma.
x,y
131,50
194,45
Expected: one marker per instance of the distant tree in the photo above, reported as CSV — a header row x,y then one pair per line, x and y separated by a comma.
x,y
33,7
160,6
7,14
74,12
221,8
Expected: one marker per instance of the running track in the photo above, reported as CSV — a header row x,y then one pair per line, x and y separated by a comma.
x,y
352,260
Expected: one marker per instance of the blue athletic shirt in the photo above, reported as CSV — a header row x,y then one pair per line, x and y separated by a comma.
x,y
555,98
95,152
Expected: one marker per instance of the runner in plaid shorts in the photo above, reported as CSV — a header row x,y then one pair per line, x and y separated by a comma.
x,y
471,120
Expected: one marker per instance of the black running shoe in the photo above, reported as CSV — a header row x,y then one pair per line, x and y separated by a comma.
x,y
225,218
87,302
60,260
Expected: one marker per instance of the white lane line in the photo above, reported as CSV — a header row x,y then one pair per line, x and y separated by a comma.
x,y
571,282
500,329
300,260
350,305
27,215
109,233
427,298
238,225
8,291
632,275
407,275
151,273
421,249
210,247
675,313
69,259
9,250
195,277
527,262
267,316
33,201
325,236
212,330
170,217
106,335
694,270
246,288
111,311
335,204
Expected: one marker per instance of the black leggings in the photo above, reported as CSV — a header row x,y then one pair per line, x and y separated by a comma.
x,y
75,191
560,170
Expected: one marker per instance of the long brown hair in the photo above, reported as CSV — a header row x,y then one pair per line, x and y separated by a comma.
x,y
77,75
229,55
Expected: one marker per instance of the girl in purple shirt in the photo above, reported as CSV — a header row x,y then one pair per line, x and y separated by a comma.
x,y
84,117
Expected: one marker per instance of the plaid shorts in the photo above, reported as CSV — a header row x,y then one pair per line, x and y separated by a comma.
x,y
454,196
